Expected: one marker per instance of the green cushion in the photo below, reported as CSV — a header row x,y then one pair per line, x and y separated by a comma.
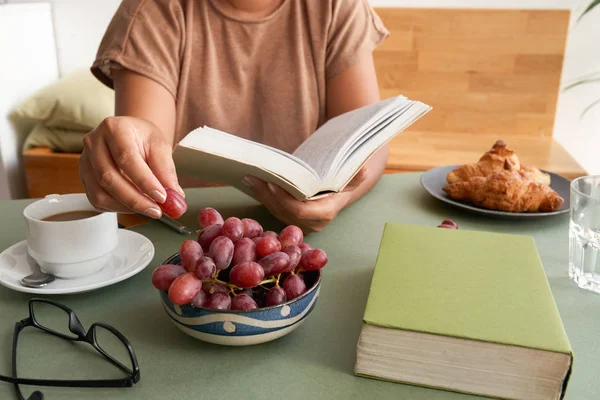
x,y
57,139
78,101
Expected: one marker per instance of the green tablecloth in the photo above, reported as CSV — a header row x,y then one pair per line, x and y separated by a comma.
x,y
314,362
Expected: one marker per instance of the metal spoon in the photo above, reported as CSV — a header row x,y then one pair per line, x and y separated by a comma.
x,y
38,278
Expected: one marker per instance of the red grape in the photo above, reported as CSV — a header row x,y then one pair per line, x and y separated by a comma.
x,y
205,268
208,234
252,228
313,260
290,235
214,287
448,224
209,216
276,295
175,205
190,252
295,255
304,247
275,263
243,302
199,299
218,301
245,250
221,251
294,286
267,245
233,228
247,274
184,288
240,254
163,276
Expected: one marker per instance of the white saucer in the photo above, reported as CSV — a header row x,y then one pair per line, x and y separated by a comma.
x,y
133,253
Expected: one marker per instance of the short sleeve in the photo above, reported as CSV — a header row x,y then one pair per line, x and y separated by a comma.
x,y
146,37
355,30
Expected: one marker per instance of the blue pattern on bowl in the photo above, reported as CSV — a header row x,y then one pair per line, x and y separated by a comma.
x,y
238,328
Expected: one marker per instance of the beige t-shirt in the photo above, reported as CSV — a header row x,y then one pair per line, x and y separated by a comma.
x,y
262,79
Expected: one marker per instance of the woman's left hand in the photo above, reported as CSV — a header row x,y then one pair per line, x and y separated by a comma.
x,y
311,215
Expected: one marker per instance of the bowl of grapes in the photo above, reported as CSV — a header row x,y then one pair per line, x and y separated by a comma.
x,y
239,285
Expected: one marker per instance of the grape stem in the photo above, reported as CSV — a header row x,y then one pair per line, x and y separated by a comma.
x,y
216,280
266,281
233,287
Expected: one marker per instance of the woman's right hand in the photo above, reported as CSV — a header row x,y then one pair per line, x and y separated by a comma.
x,y
125,166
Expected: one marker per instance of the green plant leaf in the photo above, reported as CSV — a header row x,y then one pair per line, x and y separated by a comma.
x,y
582,82
589,8
589,107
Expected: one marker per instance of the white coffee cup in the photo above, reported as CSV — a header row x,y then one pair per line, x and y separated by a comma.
x,y
69,249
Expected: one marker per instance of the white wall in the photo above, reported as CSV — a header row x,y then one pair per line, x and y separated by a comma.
x,y
581,136
79,26
40,41
27,62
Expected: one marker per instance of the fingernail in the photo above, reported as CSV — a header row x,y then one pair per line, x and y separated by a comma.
x,y
153,213
271,188
246,181
158,196
180,190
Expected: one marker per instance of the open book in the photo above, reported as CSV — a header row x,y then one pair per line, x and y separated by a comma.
x,y
323,164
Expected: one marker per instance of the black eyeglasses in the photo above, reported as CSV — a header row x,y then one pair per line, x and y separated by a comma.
x,y
61,321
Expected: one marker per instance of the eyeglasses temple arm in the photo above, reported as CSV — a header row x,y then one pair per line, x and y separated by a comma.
x,y
37,395
125,382
18,328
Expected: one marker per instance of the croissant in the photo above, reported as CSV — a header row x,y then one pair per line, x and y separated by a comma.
x,y
505,190
535,174
497,159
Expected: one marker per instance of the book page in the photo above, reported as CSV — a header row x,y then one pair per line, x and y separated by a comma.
x,y
213,168
214,155
322,147
351,147
358,155
460,364
247,145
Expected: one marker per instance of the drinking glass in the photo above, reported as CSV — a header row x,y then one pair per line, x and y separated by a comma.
x,y
584,233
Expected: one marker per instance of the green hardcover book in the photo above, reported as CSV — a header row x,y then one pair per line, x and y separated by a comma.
x,y
463,311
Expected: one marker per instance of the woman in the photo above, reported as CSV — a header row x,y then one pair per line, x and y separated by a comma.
x,y
272,71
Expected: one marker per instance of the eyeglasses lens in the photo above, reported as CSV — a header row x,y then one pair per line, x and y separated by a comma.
x,y
53,318
113,346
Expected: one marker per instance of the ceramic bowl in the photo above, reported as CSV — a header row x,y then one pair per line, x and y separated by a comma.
x,y
241,328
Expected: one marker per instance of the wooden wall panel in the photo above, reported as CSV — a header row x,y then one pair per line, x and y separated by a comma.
x,y
483,71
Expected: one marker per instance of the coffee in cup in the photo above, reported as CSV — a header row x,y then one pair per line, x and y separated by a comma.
x,y
68,237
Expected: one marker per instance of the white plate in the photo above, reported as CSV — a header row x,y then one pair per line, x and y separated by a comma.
x,y
133,253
